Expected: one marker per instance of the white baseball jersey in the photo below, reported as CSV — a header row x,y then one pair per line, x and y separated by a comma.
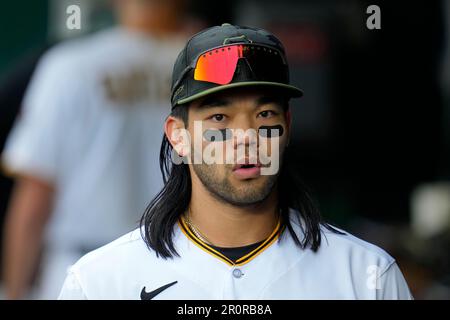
x,y
92,124
344,267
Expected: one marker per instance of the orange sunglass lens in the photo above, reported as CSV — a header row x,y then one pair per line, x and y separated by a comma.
x,y
218,65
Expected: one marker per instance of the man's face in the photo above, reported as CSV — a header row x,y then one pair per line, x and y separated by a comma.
x,y
251,110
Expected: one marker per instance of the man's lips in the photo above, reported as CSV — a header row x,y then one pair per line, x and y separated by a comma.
x,y
247,170
245,165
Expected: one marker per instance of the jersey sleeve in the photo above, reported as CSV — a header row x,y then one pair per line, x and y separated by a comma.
x,y
33,146
392,285
72,289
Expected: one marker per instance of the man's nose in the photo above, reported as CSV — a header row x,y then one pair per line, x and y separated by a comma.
x,y
245,132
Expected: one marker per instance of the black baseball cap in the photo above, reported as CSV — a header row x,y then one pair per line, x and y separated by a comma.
x,y
263,63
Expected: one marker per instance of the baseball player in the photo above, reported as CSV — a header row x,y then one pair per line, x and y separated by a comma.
x,y
239,229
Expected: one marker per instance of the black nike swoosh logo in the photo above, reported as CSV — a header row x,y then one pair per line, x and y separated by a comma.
x,y
150,295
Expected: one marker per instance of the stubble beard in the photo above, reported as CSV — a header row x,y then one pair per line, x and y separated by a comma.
x,y
222,189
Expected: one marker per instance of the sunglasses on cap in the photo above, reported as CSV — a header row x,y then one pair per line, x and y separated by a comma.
x,y
218,65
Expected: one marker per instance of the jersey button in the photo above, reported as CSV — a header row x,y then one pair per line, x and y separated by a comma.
x,y
237,273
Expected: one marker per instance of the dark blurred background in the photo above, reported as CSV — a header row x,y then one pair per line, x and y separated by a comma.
x,y
372,133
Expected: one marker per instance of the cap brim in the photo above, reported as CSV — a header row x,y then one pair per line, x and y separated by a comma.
x,y
290,90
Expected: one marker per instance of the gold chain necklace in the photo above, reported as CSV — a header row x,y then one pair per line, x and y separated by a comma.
x,y
194,229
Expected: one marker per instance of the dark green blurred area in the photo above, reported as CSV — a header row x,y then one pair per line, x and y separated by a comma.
x,y
23,33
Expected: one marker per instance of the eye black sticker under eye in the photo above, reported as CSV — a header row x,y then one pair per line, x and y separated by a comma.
x,y
271,131
213,135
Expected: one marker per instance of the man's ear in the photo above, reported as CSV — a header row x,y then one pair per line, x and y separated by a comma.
x,y
177,135
288,124
288,118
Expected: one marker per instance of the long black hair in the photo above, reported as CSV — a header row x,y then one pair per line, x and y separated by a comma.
x,y
164,210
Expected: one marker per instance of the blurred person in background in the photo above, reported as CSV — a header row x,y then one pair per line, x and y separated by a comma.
x,y
85,147
13,84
